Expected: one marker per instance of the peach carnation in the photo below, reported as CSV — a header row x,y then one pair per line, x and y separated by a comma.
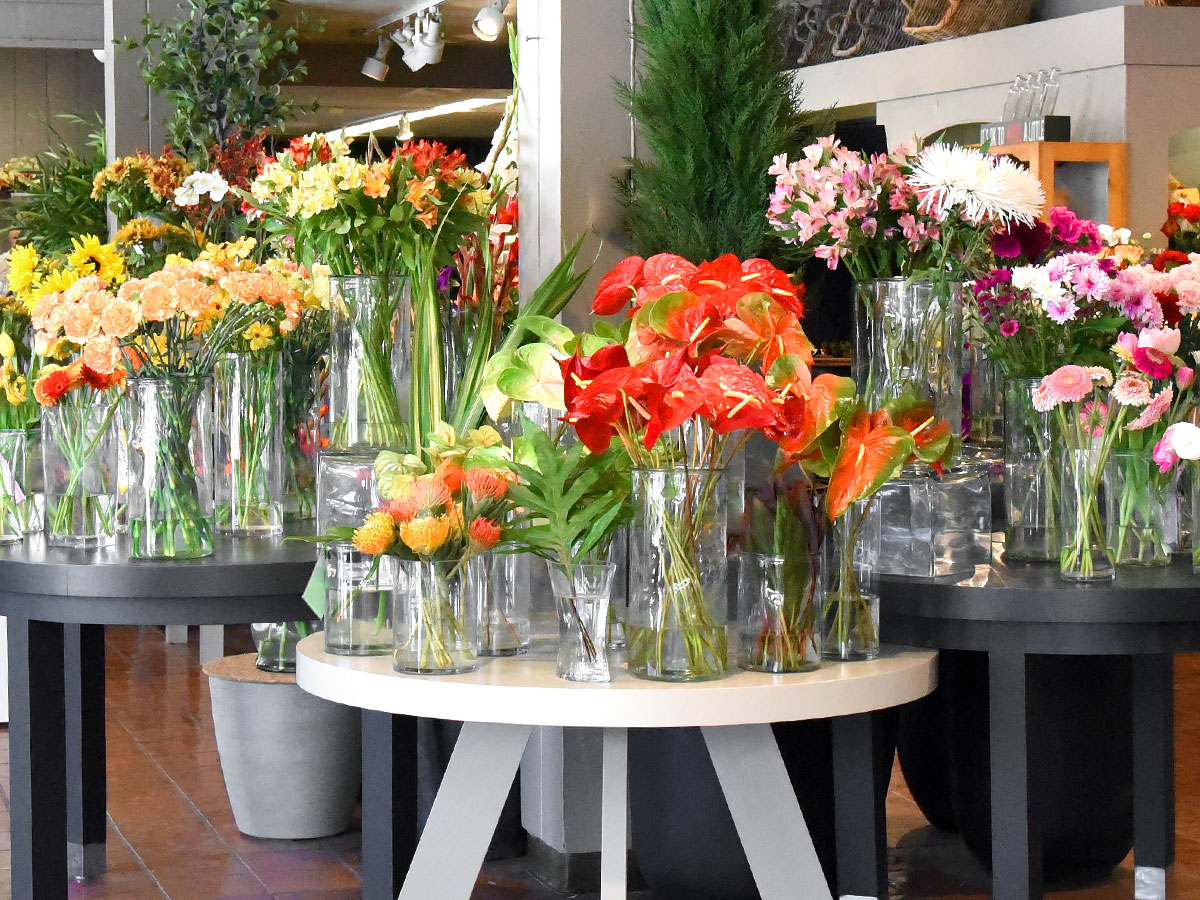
x,y
120,318
80,324
102,354
158,301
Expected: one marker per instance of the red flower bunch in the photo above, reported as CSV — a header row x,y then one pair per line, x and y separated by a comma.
x,y
54,381
426,155
720,343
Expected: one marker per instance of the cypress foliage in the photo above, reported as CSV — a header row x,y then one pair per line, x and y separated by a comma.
x,y
713,106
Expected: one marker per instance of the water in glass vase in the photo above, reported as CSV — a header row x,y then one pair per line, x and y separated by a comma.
x,y
357,602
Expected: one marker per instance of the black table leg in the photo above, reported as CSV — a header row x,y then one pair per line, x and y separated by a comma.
x,y
860,816
37,759
389,804
1153,773
1016,834
86,756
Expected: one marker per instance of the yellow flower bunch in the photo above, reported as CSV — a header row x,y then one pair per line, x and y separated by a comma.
x,y
32,276
259,336
18,173
159,175
140,229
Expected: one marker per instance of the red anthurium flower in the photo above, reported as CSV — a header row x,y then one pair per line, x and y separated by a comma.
x,y
618,287
668,270
761,275
672,398
820,411
932,439
737,398
871,453
578,371
602,405
684,318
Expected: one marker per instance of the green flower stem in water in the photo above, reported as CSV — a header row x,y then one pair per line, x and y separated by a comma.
x,y
845,602
74,505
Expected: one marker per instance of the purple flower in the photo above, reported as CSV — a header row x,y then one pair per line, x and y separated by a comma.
x,y
1009,328
443,279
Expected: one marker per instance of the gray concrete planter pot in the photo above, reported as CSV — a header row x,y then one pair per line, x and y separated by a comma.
x,y
292,762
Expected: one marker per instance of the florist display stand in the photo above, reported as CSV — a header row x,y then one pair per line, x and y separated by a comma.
x,y
57,602
1014,611
502,701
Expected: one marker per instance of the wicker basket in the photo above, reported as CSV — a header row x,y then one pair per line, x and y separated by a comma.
x,y
820,31
1173,2
937,20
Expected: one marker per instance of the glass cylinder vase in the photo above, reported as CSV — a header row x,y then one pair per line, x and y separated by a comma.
x,y
358,602
850,595
170,467
276,642
1142,509
16,494
1031,477
437,611
304,428
79,462
369,362
908,343
581,599
780,623
249,443
1085,555
677,625
506,626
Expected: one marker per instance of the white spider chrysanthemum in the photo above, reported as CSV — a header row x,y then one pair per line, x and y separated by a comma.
x,y
982,188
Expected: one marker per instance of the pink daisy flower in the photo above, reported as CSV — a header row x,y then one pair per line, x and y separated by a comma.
x,y
1093,416
1068,384
1009,328
1131,391
1156,409
1042,401
1152,362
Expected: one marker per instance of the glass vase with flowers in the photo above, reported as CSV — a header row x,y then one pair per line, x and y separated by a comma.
x,y
19,416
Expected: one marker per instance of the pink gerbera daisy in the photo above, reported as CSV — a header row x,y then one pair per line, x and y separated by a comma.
x,y
1093,416
1010,327
1154,411
1068,384
1153,362
1131,391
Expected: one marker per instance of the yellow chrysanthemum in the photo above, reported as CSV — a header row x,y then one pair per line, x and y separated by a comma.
x,y
375,534
259,335
22,267
90,256
425,535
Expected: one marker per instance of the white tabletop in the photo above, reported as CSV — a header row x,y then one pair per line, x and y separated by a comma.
x,y
523,690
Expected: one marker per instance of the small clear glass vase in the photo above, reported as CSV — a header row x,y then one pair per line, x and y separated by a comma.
x,y
781,622
249,443
506,626
677,625
369,363
1142,511
437,609
850,604
1085,555
79,461
1031,477
170,467
581,598
304,428
276,642
17,505
358,600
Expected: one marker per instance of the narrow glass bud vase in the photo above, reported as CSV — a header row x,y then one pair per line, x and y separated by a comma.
x,y
437,607
1085,555
249,444
850,617
581,596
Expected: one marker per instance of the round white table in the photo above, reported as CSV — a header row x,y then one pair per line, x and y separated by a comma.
x,y
502,701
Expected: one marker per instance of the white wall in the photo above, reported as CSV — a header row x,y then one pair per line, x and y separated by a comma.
x,y
40,84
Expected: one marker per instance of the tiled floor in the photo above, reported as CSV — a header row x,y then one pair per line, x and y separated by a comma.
x,y
172,836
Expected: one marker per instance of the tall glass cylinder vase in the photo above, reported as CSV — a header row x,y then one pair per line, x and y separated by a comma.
x,y
16,494
581,599
1143,509
35,480
987,401
1031,477
437,609
908,343
170,464
781,619
1085,554
677,627
369,364
79,462
506,626
850,614
304,428
249,443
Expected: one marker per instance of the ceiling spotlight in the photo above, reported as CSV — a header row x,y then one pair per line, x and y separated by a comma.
x,y
376,66
429,42
489,22
404,132
411,36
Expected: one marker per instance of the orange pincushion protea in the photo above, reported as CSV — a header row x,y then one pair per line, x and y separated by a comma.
x,y
428,493
486,485
425,535
376,534
485,533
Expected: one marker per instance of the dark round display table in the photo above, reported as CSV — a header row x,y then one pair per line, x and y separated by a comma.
x,y
57,602
1023,615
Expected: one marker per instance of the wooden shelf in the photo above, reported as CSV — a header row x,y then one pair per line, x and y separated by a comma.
x,y
1043,157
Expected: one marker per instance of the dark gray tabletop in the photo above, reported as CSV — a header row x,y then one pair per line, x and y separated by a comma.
x,y
1027,606
245,580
